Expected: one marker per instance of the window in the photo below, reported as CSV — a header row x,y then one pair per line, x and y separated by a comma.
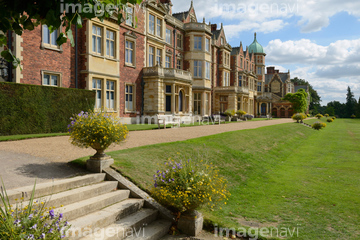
x,y
222,41
178,64
241,63
181,103
239,103
207,70
168,36
227,59
110,94
49,38
197,103
226,79
129,52
197,43
151,56
96,39
179,40
158,57
168,98
259,87
223,103
198,69
110,43
207,44
151,24
129,15
50,79
167,61
129,94
97,87
259,70
240,80
158,27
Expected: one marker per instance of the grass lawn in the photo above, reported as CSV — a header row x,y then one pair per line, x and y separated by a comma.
x,y
27,136
285,175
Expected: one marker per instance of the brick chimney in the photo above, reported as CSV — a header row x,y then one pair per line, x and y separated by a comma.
x,y
213,27
270,70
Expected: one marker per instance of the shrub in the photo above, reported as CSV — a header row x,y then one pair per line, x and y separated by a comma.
x,y
188,185
318,116
32,221
87,129
326,115
249,116
353,116
308,115
330,120
318,125
29,109
299,117
240,113
333,118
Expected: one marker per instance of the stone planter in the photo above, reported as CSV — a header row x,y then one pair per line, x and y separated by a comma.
x,y
99,161
191,222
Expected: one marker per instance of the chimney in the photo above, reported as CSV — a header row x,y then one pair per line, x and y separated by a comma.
x,y
213,27
270,70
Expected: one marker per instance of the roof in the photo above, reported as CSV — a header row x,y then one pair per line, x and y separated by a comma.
x,y
283,77
216,33
235,51
180,15
297,87
255,47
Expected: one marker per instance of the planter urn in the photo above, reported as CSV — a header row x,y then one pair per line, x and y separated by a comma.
x,y
191,222
99,161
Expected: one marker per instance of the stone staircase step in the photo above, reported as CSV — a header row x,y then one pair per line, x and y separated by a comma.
x,y
153,231
77,194
130,226
104,217
91,205
48,188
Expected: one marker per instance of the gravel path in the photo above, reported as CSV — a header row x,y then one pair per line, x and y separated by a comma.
x,y
45,158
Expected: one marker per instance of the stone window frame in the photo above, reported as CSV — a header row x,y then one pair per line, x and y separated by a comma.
x,y
166,36
179,38
131,38
103,90
110,90
133,97
178,59
198,101
168,56
162,24
199,69
49,46
207,44
199,40
106,39
130,6
51,73
207,70
155,54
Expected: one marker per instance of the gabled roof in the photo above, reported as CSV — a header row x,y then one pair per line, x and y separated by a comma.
x,y
181,15
283,77
216,34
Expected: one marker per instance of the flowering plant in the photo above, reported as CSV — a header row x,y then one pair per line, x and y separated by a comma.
x,y
318,116
240,113
98,129
32,221
318,125
249,116
188,184
299,117
330,120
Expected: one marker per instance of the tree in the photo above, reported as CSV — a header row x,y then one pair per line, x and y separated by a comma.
x,y
358,109
298,100
314,96
339,108
330,111
350,105
19,15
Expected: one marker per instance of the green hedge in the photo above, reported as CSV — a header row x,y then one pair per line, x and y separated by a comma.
x,y
27,109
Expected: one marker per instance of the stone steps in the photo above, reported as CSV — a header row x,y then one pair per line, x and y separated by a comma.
x,y
98,209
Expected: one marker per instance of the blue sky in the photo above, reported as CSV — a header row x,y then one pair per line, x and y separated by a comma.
x,y
317,40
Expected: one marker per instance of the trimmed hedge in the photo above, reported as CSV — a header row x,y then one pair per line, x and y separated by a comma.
x,y
28,109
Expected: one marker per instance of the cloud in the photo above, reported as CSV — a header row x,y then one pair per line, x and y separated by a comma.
x,y
313,15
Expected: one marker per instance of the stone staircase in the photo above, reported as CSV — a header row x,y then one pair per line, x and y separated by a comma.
x,y
100,209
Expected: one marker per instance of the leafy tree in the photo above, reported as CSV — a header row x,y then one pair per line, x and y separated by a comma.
x,y
339,108
298,100
19,15
314,96
350,105
330,111
358,109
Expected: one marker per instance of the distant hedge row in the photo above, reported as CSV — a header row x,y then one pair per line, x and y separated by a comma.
x,y
27,109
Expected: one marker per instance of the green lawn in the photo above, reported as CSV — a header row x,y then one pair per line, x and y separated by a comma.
x,y
27,136
285,175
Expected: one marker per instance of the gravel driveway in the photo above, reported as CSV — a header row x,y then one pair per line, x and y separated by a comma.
x,y
46,158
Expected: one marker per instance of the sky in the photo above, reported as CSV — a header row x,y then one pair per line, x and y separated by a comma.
x,y
317,40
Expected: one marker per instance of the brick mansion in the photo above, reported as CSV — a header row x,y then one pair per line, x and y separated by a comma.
x,y
160,63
